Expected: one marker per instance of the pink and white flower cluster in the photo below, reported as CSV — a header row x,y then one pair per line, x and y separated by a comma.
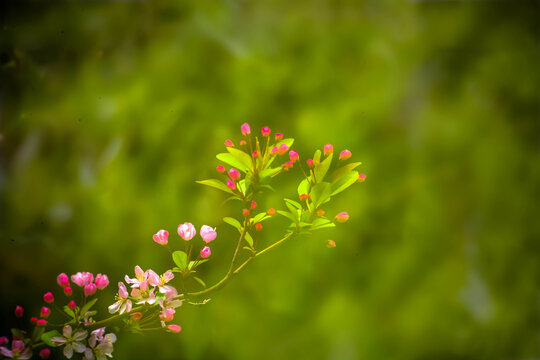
x,y
85,280
99,345
187,232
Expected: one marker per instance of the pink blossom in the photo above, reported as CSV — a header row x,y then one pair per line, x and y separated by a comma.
x,y
143,294
62,280
140,277
344,155
160,281
234,174
68,291
361,177
17,351
205,252
82,278
174,328
19,311
72,305
123,303
229,143
102,281
231,185
274,150
45,353
161,237
90,289
48,298
245,129
342,217
41,323
167,314
220,169
186,231
293,155
207,233
328,149
45,312
265,131
3,340
279,136
283,149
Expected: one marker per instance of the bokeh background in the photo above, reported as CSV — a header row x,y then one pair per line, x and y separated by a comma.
x,y
111,110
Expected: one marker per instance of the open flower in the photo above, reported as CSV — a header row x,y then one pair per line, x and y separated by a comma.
x,y
160,281
72,341
143,294
123,304
140,277
100,345
17,351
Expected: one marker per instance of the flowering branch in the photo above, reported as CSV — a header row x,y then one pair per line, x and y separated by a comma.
x,y
152,299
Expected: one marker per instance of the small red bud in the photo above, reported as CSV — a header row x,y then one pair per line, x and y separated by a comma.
x,y
19,311
45,353
303,197
245,212
255,154
331,244
68,291
265,131
328,149
253,205
229,143
45,312
271,211
72,305
48,298
279,136
310,163
33,320
220,169
242,142
258,227
41,323
361,177
320,212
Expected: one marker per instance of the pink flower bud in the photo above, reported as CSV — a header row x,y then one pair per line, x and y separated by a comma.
x,y
234,174
245,212
48,298
255,154
186,231
331,244
82,278
207,233
245,129
136,316
90,289
45,353
41,323
62,280
342,217
361,177
253,205
274,150
266,131
279,136
220,169
3,340
344,155
68,291
310,163
303,197
72,305
174,328
293,155
205,252
328,149
161,237
271,211
258,227
320,212
19,311
283,149
102,280
243,142
45,312
229,143
33,320
231,185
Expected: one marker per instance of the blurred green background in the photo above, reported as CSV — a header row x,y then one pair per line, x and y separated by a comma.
x,y
111,110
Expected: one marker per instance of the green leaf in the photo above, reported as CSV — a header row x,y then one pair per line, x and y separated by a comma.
x,y
241,156
18,333
233,222
317,157
259,217
242,186
287,142
343,171
46,337
344,183
88,306
321,223
180,259
320,193
296,204
321,169
192,262
294,211
287,215
303,187
215,184
229,159
249,239
36,334
199,281
270,172
69,312
268,187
